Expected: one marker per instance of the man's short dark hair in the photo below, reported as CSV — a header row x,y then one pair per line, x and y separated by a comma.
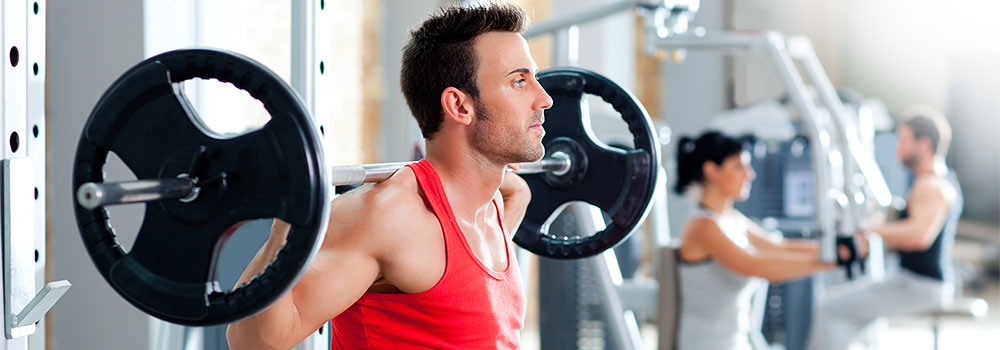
x,y
926,122
440,54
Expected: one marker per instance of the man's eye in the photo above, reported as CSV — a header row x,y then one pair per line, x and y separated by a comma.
x,y
519,83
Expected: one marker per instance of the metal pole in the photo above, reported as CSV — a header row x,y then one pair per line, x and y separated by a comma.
x,y
558,163
622,325
819,143
366,173
577,18
35,67
304,50
92,194
736,42
857,156
801,49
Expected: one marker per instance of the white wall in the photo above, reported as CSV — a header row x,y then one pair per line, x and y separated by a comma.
x,y
398,130
974,108
693,93
89,44
905,52
943,54
607,47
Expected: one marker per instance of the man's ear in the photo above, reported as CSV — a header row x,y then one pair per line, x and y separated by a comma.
x,y
457,106
925,145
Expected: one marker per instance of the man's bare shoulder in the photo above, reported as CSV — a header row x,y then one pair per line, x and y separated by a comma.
x,y
381,208
932,188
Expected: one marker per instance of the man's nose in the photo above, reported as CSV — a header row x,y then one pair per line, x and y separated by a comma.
x,y
544,99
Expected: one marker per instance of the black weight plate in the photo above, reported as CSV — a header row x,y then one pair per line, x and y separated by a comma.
x,y
619,182
275,171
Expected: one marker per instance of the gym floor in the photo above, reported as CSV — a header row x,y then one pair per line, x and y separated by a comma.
x,y
955,332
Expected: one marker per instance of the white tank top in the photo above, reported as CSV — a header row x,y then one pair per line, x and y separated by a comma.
x,y
715,302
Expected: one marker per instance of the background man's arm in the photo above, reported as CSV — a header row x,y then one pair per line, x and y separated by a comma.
x,y
927,210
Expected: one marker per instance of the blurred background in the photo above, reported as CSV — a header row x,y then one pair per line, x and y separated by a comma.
x,y
890,54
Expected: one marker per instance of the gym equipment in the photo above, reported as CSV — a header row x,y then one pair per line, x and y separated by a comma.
x,y
276,171
198,186
853,259
620,182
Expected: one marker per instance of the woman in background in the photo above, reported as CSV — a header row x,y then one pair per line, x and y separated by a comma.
x,y
725,257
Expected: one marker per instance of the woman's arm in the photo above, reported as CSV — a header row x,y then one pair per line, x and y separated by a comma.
x,y
775,265
763,239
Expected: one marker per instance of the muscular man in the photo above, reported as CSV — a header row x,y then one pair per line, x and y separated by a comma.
x,y
424,259
923,236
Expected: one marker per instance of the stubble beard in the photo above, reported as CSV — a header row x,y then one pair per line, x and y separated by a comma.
x,y
503,145
910,161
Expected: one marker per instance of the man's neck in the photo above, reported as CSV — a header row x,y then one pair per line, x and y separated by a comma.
x,y
470,181
933,166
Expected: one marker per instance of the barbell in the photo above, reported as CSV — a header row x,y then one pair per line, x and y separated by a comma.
x,y
199,186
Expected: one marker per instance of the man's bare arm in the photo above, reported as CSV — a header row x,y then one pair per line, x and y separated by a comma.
x,y
927,210
343,269
267,253
516,195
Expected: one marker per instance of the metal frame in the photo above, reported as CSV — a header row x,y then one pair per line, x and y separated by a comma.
x,y
310,45
22,102
556,25
827,164
582,296
35,67
12,110
623,325
859,157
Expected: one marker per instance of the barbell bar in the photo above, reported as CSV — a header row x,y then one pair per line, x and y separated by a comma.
x,y
92,195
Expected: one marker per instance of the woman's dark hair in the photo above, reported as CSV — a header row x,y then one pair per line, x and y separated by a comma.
x,y
693,153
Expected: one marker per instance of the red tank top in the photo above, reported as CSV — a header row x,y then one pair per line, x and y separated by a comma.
x,y
471,307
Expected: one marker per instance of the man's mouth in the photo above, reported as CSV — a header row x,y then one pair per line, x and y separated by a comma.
x,y
538,124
